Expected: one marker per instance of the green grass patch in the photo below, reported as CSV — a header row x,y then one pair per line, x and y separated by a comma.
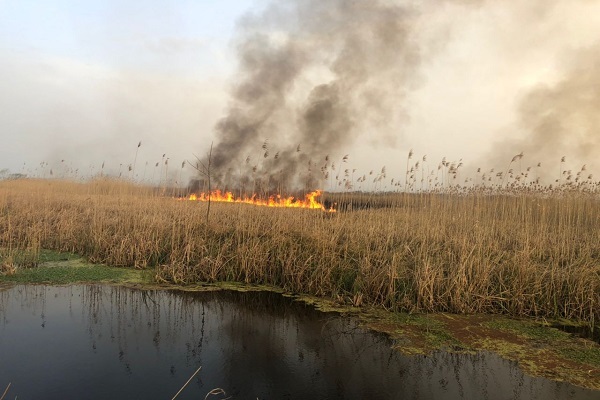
x,y
588,355
553,339
75,270
31,258
414,333
434,332
51,255
528,329
19,257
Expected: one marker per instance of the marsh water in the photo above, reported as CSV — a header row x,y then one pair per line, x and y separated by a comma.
x,y
100,342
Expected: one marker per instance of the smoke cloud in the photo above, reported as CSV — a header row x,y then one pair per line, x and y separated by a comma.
x,y
560,120
304,83
312,76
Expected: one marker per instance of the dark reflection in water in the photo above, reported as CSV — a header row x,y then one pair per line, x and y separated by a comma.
x,y
100,342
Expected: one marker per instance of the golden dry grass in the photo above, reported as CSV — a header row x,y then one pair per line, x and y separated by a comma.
x,y
516,254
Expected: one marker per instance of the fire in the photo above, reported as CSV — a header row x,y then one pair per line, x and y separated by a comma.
x,y
310,200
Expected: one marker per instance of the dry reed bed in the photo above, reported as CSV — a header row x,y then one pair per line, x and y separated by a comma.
x,y
518,255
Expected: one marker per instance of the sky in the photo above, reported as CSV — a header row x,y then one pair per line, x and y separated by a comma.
x,y
478,81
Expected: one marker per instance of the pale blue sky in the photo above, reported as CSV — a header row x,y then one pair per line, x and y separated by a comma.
x,y
128,34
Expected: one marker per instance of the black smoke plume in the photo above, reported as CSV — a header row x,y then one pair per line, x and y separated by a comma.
x,y
312,76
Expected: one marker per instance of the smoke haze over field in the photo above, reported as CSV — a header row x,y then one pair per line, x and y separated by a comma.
x,y
313,75
480,80
561,119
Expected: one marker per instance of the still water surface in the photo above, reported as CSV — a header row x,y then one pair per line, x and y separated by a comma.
x,y
105,342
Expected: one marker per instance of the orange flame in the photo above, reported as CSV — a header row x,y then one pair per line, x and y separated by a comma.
x,y
273,201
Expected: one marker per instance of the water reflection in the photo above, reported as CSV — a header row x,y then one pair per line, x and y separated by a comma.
x,y
99,342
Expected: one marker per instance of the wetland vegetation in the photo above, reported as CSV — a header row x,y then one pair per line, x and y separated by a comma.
x,y
513,255
413,264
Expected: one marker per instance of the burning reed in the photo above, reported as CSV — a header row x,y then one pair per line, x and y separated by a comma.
x,y
520,255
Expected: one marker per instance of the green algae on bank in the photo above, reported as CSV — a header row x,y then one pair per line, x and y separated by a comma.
x,y
540,350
